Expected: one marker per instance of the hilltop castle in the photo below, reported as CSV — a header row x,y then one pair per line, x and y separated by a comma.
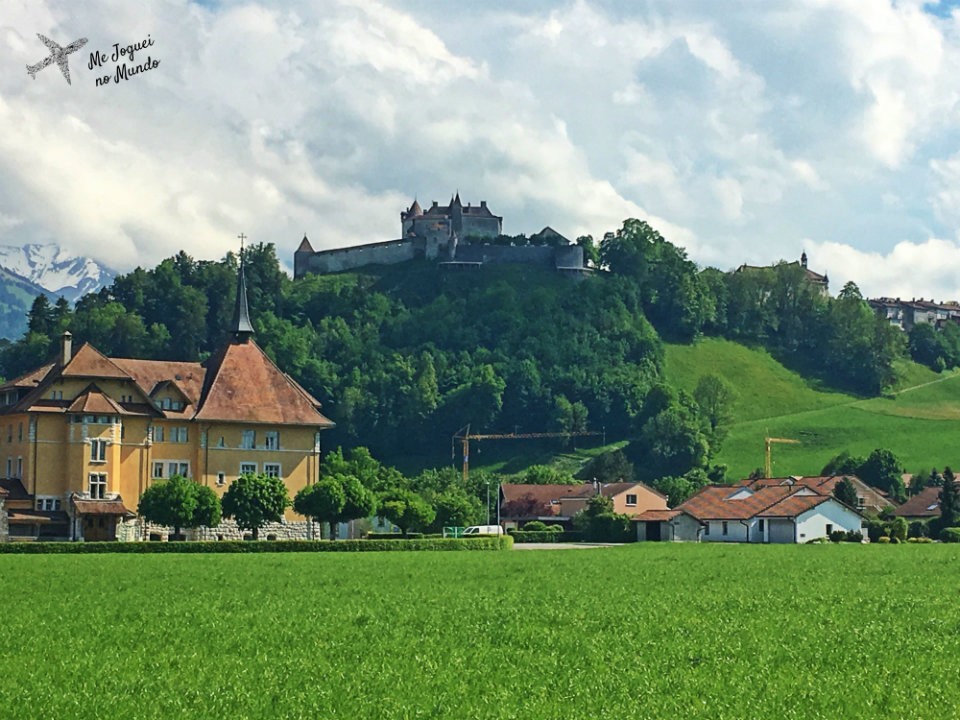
x,y
454,235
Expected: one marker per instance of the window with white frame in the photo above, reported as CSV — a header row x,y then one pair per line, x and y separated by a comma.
x,y
19,467
272,470
48,503
178,434
248,468
271,440
56,394
248,440
158,433
98,486
631,500
723,528
178,467
20,433
98,450
221,478
9,467
158,470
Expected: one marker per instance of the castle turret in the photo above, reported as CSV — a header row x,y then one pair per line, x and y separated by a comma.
x,y
803,260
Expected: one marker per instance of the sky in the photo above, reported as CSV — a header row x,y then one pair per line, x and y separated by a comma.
x,y
746,131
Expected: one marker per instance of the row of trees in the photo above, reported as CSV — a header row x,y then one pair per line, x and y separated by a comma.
x,y
352,487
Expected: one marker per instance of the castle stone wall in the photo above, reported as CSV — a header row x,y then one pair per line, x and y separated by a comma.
x,y
331,261
493,254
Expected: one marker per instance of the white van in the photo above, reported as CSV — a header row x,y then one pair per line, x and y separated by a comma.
x,y
483,530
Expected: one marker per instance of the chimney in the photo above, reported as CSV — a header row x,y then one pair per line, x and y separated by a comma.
x,y
483,203
66,348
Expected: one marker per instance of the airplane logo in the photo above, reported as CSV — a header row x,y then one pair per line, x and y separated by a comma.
x,y
57,55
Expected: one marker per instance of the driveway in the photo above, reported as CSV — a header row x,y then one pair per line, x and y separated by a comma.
x,y
562,546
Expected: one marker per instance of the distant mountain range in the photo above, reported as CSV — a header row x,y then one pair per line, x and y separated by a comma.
x,y
29,270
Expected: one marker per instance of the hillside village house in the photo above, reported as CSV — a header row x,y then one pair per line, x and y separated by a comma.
x,y
82,437
778,510
521,503
925,505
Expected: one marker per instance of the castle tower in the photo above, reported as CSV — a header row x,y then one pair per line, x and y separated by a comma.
x,y
301,258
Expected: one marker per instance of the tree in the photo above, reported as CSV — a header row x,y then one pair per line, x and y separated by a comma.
x,y
949,500
714,397
323,501
180,502
846,492
455,509
407,510
842,464
254,500
547,475
607,468
883,470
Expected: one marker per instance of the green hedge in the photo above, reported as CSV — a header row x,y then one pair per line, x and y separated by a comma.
x,y
950,535
399,536
232,546
545,536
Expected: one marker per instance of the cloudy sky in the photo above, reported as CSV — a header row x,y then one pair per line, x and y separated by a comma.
x,y
746,131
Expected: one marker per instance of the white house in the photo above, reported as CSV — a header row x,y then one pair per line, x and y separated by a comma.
x,y
760,513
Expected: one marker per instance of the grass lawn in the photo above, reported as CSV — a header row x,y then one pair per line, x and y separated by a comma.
x,y
918,421
640,631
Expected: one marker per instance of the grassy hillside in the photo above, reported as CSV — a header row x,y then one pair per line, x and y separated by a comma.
x,y
917,421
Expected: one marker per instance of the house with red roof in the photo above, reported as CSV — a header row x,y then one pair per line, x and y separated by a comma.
x,y
520,503
82,437
779,510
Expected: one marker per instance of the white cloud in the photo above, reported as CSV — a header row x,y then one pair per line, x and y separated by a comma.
x,y
740,132
929,269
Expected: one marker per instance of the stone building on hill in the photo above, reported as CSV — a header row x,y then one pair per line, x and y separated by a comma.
x,y
455,236
821,282
85,435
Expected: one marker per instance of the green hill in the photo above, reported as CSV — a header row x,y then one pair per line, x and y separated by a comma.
x,y
917,421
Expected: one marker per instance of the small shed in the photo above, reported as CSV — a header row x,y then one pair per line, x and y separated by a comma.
x,y
667,526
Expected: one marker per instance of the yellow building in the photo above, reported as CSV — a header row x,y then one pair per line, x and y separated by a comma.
x,y
82,437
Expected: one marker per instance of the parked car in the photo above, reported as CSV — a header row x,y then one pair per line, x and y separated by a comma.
x,y
483,530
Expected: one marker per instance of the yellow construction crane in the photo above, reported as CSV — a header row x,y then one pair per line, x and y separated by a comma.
x,y
465,436
768,441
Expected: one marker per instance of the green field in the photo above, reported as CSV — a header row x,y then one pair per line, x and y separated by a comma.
x,y
643,631
918,421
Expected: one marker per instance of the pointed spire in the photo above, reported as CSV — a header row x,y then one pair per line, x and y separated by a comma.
x,y
241,327
457,199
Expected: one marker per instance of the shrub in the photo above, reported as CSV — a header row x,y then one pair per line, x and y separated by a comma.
x,y
239,546
546,536
555,528
917,529
919,540
876,529
535,526
838,536
898,529
883,539
950,535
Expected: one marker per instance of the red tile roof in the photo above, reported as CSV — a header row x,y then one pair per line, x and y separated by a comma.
x,y
244,385
544,499
794,505
658,515
770,497
713,503
148,374
94,402
88,362
100,507
30,379
926,503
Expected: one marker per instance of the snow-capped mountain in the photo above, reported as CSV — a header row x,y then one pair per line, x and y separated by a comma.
x,y
56,270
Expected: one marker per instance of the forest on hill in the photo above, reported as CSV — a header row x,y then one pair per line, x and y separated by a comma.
x,y
403,356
